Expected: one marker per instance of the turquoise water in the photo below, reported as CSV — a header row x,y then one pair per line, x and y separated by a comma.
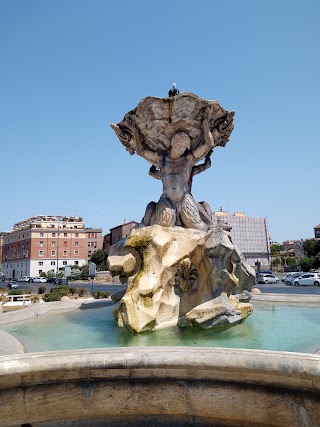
x,y
270,327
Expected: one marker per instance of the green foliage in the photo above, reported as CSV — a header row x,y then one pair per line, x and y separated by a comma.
x,y
100,257
83,292
15,292
72,291
306,263
50,297
75,273
291,261
56,293
311,247
101,294
50,274
85,272
276,249
276,261
41,289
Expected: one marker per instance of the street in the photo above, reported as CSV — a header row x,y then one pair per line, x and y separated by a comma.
x,y
108,287
279,288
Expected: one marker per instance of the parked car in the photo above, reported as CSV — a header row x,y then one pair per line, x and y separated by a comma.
x,y
307,279
51,280
268,278
27,279
39,280
289,278
61,282
13,285
2,278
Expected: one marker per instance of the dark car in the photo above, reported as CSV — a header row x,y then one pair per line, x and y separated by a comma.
x,y
13,285
61,282
51,280
2,279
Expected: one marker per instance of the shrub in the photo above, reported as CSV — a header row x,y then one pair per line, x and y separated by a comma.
x,y
51,297
100,294
42,289
15,292
83,292
72,291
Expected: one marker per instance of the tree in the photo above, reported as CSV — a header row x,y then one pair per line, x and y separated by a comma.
x,y
85,272
75,273
306,263
100,257
276,249
311,247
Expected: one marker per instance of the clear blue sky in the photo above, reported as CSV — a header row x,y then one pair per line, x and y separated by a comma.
x,y
71,67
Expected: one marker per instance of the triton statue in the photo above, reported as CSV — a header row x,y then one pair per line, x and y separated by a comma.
x,y
177,136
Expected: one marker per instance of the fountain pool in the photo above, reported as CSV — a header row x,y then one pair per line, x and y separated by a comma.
x,y
273,326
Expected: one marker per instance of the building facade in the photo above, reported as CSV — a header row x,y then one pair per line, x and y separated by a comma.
x,y
249,234
94,241
43,243
121,231
317,232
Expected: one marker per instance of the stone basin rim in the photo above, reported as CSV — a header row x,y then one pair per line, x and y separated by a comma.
x,y
223,364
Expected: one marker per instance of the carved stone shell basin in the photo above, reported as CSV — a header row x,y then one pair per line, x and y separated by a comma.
x,y
157,119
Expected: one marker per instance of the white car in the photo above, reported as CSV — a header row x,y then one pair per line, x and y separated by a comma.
x,y
268,278
39,280
307,279
289,278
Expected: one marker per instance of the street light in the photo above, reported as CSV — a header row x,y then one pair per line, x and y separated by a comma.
x,y
58,234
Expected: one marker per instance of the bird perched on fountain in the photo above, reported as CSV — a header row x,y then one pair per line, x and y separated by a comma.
x,y
174,91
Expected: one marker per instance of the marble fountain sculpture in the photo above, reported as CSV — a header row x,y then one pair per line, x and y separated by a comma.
x,y
179,268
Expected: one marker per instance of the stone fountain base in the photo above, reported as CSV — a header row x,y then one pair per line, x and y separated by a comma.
x,y
180,276
160,386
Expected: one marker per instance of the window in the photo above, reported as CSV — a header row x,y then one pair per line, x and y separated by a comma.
x,y
53,263
77,235
76,253
76,244
53,253
41,234
65,253
53,244
53,234
40,271
41,244
65,244
76,263
40,253
65,234
64,263
40,263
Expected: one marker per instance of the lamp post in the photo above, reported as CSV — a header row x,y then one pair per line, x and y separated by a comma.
x,y
58,235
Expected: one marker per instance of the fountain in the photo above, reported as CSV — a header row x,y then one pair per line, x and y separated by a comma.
x,y
180,272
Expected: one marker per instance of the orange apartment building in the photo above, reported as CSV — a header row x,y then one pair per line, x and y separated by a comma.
x,y
44,243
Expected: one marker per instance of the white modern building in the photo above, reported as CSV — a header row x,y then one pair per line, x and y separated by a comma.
x,y
249,234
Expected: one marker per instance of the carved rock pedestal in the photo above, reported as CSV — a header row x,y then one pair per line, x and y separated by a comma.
x,y
180,276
